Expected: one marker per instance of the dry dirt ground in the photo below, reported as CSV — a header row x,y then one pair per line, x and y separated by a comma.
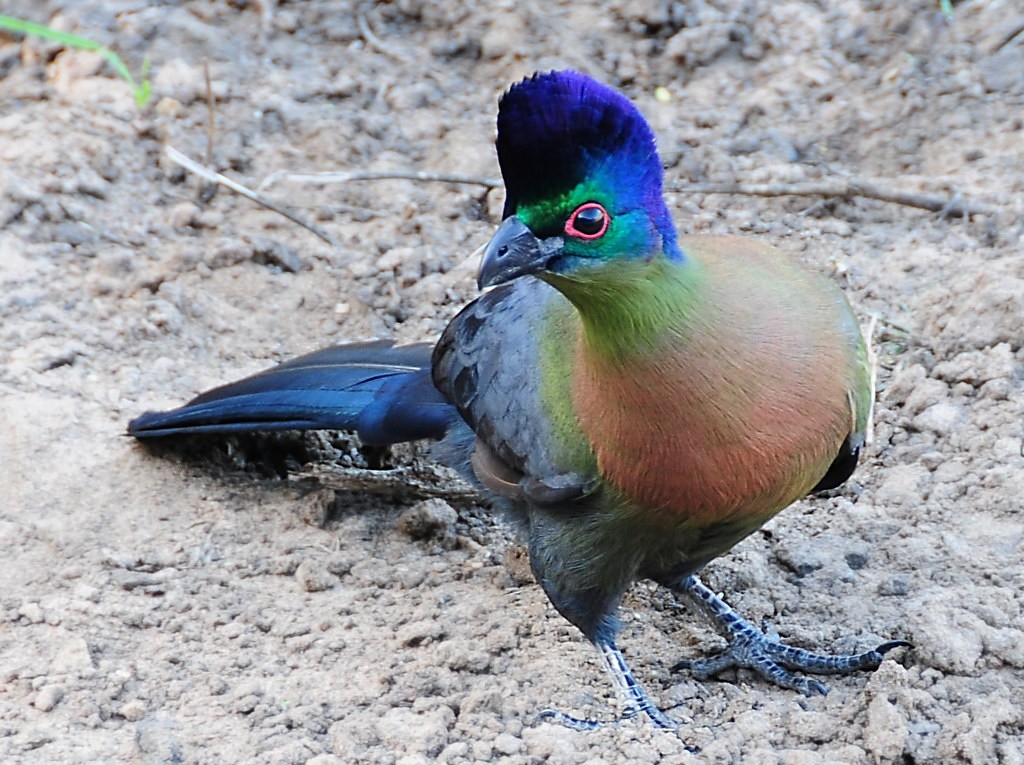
x,y
194,606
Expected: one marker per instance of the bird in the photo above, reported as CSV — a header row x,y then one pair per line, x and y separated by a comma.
x,y
638,400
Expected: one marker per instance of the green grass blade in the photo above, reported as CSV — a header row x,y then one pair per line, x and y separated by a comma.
x,y
142,92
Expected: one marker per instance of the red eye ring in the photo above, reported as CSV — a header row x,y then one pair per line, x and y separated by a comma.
x,y
589,221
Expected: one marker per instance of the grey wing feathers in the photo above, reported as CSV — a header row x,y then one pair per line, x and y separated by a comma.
x,y
487,364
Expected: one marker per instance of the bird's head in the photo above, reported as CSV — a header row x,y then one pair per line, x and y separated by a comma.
x,y
582,182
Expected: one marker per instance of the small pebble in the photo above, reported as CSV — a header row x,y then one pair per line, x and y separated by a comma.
x,y
506,743
32,612
133,711
48,697
430,519
313,576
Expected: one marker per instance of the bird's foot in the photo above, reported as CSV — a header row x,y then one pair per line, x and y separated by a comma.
x,y
580,723
773,660
752,649
634,698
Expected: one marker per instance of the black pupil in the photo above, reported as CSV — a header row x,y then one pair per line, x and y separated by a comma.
x,y
589,220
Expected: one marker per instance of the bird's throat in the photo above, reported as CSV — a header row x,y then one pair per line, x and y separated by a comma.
x,y
629,309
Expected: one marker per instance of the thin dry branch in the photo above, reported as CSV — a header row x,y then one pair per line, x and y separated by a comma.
x,y
211,114
951,207
1011,34
375,42
324,179
214,177
419,481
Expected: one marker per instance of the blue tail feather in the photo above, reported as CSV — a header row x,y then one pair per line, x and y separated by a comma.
x,y
382,392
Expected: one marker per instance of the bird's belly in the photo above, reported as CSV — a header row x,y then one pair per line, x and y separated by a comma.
x,y
698,479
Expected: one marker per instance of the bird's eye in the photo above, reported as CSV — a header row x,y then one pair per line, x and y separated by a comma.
x,y
589,221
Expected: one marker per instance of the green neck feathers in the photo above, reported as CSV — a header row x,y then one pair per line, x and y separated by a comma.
x,y
629,308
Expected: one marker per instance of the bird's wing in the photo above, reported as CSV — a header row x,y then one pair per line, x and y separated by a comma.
x,y
504,362
860,397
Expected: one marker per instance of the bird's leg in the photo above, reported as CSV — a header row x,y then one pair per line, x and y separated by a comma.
x,y
633,697
751,648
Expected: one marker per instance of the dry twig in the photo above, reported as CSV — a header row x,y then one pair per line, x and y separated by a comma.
x,y
214,177
375,42
211,114
324,179
418,481
954,207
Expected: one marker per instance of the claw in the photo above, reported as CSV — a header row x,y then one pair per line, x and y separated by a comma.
x,y
658,719
751,649
884,648
578,723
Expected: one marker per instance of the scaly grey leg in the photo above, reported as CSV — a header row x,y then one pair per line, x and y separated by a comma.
x,y
634,698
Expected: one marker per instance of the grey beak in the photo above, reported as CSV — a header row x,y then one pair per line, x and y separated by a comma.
x,y
512,252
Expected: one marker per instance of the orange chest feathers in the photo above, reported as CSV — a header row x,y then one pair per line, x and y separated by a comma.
x,y
706,436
